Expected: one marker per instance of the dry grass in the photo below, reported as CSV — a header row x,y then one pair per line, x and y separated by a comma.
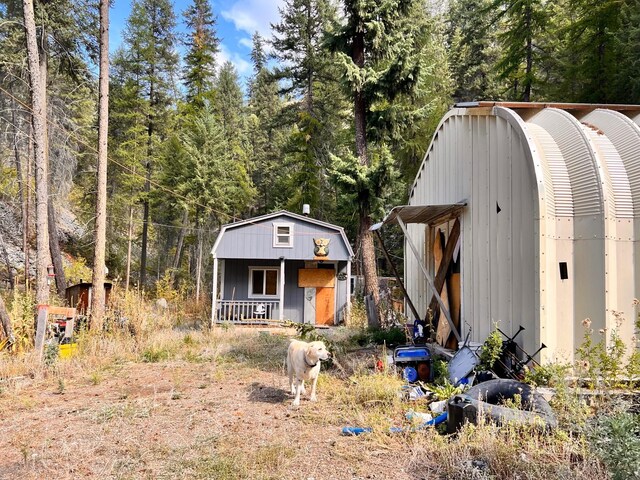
x,y
199,404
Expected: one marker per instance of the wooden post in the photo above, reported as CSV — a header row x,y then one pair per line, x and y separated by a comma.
x,y
40,329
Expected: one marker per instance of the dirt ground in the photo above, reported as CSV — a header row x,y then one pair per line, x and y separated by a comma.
x,y
181,419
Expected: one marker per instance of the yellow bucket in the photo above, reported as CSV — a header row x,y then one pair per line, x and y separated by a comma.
x,y
67,350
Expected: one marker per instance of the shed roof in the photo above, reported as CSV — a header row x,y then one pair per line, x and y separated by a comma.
x,y
258,221
426,214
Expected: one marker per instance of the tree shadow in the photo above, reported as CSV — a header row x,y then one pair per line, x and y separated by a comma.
x,y
267,394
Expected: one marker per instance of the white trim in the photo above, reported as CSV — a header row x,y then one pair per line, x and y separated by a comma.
x,y
214,293
276,235
281,306
221,267
348,290
250,282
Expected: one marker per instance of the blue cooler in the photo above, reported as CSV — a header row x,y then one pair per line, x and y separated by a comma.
x,y
415,361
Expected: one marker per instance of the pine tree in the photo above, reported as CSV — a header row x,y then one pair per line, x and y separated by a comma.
x,y
315,106
149,61
229,103
375,44
591,57
472,42
626,82
258,55
266,136
522,25
203,46
98,297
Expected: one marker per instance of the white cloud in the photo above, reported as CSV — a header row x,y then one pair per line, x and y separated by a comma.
x,y
243,67
254,15
246,41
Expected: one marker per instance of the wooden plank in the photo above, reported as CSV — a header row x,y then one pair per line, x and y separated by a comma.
x,y
40,330
62,311
441,276
443,330
453,288
324,306
316,277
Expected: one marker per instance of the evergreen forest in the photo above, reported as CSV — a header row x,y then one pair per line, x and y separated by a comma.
x,y
338,112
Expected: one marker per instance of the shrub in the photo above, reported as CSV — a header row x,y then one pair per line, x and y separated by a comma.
x,y
616,441
491,350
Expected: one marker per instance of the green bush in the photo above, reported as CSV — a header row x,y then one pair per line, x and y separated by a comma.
x,y
154,355
616,441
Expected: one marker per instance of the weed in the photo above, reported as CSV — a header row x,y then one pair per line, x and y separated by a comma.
x,y
440,371
154,354
491,350
50,354
550,375
616,441
95,378
358,316
61,386
445,391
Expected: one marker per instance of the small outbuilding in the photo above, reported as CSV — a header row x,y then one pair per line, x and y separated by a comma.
x,y
281,266
546,198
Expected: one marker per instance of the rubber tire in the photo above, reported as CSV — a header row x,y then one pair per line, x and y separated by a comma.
x,y
485,398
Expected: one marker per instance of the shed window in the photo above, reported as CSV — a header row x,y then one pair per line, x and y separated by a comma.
x,y
283,234
263,282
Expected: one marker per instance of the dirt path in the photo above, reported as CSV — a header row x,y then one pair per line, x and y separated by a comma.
x,y
180,420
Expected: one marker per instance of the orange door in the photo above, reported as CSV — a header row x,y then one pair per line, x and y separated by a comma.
x,y
324,306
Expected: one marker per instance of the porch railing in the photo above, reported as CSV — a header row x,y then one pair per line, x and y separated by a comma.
x,y
246,311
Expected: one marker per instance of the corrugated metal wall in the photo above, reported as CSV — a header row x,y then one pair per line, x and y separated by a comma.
x,y
479,157
567,188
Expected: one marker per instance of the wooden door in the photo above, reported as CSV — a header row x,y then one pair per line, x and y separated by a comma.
x,y
325,306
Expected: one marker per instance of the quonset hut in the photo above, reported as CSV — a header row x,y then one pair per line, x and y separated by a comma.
x,y
548,202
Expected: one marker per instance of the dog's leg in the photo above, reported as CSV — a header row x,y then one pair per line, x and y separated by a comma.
x,y
296,401
303,389
313,397
290,372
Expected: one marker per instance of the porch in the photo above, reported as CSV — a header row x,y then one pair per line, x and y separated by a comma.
x,y
246,311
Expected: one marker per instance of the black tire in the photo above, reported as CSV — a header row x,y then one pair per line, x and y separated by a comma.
x,y
486,399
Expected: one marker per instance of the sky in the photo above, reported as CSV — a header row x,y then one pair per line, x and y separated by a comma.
x,y
237,20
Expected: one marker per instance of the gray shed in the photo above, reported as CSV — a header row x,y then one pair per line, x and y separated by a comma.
x,y
281,266
547,197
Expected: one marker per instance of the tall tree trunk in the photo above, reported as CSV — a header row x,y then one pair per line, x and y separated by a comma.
x,y
54,239
147,189
130,239
5,321
369,272
98,299
145,227
199,262
39,140
178,255
526,94
54,247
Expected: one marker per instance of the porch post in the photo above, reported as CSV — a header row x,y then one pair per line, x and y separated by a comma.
x,y
281,305
349,288
214,297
